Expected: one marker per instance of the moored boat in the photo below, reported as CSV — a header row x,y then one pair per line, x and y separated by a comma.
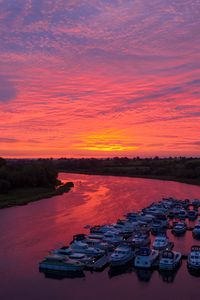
x,y
169,260
192,214
145,257
179,228
112,237
122,255
182,214
80,247
196,231
140,240
193,262
157,227
60,263
161,242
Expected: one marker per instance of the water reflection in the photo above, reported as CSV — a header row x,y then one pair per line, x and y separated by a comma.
x,y
194,273
116,271
168,276
29,232
144,274
59,275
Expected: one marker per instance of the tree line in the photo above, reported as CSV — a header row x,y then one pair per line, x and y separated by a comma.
x,y
26,173
176,167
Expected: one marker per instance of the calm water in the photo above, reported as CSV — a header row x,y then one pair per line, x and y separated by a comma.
x,y
28,232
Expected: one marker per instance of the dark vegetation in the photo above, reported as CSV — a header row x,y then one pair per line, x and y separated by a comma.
x,y
179,168
23,181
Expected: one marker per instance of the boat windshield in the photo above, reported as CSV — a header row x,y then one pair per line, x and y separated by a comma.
x,y
168,254
144,252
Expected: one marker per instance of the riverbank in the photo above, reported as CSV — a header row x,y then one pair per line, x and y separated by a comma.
x,y
166,178
24,196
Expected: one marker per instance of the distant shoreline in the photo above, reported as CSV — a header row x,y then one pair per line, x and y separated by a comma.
x,y
164,178
23,196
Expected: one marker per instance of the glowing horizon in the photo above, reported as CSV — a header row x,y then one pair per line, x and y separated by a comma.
x,y
99,78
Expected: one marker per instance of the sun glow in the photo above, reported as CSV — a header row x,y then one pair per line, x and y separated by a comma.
x,y
109,140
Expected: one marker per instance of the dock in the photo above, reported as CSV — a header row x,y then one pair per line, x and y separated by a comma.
x,y
99,264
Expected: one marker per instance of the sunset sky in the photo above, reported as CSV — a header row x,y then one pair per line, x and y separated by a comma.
x,y
91,78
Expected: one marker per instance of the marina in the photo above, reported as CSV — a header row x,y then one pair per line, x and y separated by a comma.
x,y
128,241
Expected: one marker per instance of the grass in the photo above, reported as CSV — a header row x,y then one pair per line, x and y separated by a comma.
x,y
24,196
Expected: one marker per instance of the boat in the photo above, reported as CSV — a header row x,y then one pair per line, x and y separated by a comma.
x,y
126,226
193,262
79,237
182,214
81,247
60,263
99,244
140,240
163,219
112,237
157,227
195,202
145,257
161,242
62,251
179,228
192,214
170,260
101,229
122,255
196,231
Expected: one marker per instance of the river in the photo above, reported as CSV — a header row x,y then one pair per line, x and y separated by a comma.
x,y
28,232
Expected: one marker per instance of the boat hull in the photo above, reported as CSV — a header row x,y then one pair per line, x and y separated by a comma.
x,y
121,261
62,268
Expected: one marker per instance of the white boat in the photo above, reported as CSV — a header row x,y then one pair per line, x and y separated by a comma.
x,y
60,263
112,237
122,255
94,236
161,242
62,251
182,215
179,228
169,260
126,227
195,202
163,219
145,258
80,247
157,227
140,240
192,215
196,231
101,229
193,261
99,244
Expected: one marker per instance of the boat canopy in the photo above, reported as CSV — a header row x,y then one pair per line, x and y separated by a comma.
x,y
144,251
